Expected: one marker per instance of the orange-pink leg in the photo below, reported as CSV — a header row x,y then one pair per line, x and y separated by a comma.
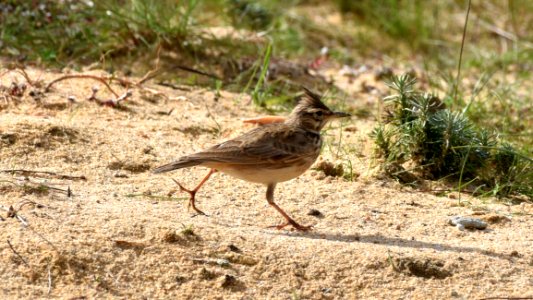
x,y
193,192
290,221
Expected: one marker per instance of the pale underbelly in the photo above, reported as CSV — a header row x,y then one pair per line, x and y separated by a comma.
x,y
263,175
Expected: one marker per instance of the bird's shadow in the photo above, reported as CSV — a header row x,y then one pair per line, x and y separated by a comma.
x,y
388,241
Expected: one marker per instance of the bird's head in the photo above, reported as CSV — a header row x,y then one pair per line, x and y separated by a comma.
x,y
311,113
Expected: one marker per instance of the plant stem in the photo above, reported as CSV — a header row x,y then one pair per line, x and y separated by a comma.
x,y
461,52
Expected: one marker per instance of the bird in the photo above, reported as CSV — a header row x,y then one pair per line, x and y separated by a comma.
x,y
278,150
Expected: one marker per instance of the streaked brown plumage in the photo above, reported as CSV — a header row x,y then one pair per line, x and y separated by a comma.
x,y
275,152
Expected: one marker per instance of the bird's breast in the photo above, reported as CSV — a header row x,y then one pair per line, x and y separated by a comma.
x,y
265,174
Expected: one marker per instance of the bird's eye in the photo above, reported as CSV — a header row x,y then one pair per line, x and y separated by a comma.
x,y
319,114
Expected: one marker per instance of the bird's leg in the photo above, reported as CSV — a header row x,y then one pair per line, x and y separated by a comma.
x,y
193,192
290,221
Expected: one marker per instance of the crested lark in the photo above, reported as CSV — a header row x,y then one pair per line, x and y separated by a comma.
x,y
277,151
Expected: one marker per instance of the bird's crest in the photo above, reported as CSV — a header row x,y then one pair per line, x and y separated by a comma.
x,y
311,99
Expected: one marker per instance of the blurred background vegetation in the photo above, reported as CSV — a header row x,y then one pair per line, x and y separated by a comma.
x,y
230,44
65,32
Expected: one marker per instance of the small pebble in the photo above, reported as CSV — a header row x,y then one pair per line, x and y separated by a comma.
x,y
463,223
228,280
234,248
120,175
223,262
320,176
454,294
315,213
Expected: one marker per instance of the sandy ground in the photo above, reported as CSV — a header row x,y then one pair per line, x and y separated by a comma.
x,y
119,236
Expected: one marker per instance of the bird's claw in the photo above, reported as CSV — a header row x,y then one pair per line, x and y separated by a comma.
x,y
294,225
191,199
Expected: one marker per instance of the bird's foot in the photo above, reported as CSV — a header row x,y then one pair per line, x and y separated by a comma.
x,y
199,212
192,193
294,225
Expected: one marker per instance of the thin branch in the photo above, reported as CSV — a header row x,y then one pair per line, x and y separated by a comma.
x,y
154,92
124,82
149,75
25,202
67,191
26,76
43,238
71,76
450,190
25,183
111,102
12,213
498,31
60,176
174,86
191,70
17,254
22,220
49,278
152,73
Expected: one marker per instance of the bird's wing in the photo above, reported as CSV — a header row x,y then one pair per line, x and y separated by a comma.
x,y
265,120
273,144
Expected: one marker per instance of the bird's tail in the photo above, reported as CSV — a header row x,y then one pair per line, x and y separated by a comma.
x,y
182,163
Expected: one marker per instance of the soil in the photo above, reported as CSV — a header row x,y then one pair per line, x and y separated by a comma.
x,y
99,224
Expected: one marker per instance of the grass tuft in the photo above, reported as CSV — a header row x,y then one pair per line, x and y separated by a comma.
x,y
442,143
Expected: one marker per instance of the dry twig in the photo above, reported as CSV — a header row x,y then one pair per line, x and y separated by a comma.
x,y
60,176
24,202
12,213
49,278
106,80
199,72
23,72
15,214
175,87
37,186
152,73
71,76
111,102
17,254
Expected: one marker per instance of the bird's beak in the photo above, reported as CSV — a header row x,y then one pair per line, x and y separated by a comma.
x,y
340,114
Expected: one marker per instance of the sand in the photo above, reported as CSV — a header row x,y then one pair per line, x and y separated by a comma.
x,y
114,233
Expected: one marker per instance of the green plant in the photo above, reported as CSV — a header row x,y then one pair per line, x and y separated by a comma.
x,y
398,19
260,91
188,230
59,31
251,14
443,143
